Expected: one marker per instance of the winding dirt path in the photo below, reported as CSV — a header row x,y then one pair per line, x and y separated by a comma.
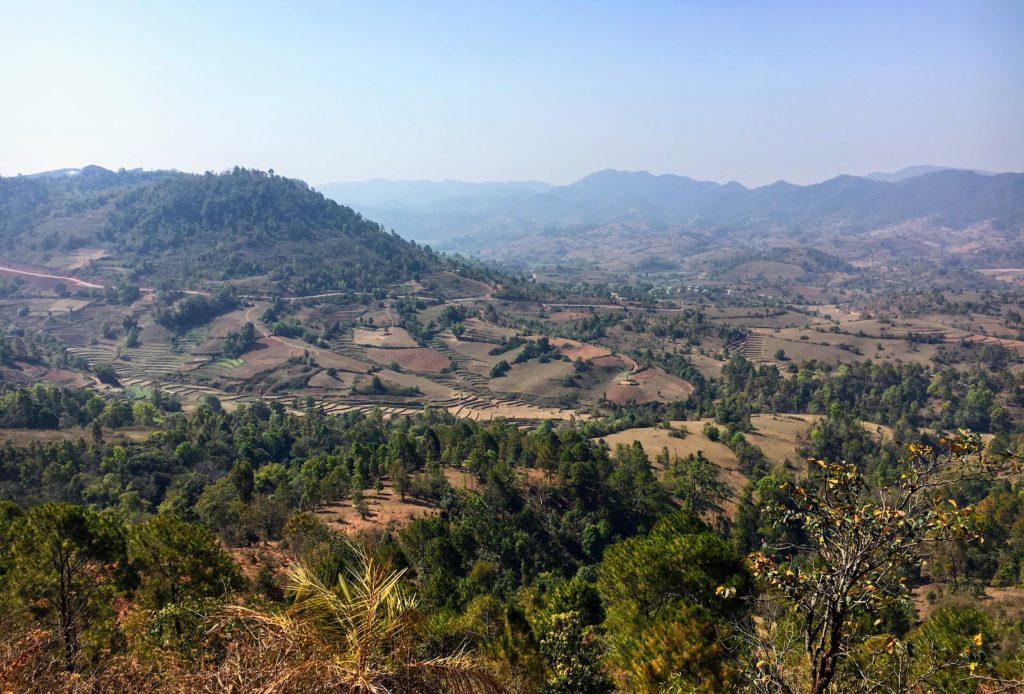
x,y
73,280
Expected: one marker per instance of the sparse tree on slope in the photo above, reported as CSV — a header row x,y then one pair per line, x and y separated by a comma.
x,y
852,563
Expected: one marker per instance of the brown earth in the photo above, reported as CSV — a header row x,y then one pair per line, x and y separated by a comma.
x,y
414,358
651,384
390,338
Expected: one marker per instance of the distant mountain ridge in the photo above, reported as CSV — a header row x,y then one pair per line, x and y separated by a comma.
x,y
946,197
920,170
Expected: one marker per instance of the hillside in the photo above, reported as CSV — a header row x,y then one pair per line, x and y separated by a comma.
x,y
248,227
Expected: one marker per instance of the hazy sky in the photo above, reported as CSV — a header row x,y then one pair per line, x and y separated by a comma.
x,y
492,91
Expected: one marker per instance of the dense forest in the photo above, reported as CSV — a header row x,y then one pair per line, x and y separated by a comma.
x,y
565,567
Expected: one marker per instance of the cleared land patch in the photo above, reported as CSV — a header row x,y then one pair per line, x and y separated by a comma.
x,y
383,338
413,358
651,384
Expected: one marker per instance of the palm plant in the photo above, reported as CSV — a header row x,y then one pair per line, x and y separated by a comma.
x,y
363,636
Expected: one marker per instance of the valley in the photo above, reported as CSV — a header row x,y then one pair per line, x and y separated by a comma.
x,y
299,384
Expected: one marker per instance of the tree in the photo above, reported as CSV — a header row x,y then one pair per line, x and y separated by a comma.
x,y
696,481
243,479
358,497
106,374
574,654
266,515
177,560
144,413
220,508
854,555
399,477
663,610
237,344
67,562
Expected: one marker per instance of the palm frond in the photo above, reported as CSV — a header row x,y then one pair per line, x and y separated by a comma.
x,y
360,635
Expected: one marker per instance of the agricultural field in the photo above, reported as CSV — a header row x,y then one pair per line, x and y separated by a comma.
x,y
444,339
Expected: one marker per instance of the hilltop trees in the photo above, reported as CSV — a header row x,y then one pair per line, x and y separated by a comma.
x,y
245,223
238,343
694,480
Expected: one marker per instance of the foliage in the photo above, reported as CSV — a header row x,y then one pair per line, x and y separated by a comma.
x,y
662,594
65,564
857,551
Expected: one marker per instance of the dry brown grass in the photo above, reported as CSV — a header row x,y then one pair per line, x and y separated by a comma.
x,y
383,338
650,385
1003,602
387,510
413,358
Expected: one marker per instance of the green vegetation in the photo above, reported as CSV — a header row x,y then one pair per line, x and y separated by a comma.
x,y
264,544
594,576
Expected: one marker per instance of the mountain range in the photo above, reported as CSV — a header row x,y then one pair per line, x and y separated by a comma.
x,y
459,216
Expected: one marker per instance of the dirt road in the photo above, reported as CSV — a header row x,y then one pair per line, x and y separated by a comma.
x,y
73,280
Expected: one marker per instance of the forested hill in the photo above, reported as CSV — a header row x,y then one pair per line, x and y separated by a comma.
x,y
245,226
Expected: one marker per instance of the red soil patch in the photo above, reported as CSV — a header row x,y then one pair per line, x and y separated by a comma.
x,y
579,350
63,377
414,359
229,322
270,354
330,360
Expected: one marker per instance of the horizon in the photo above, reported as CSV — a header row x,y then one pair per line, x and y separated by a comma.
x,y
493,93
384,180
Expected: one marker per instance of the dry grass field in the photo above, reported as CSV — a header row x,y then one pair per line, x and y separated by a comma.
x,y
1004,603
24,437
535,378
568,316
776,435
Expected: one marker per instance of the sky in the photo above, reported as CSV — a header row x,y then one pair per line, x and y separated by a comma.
x,y
552,91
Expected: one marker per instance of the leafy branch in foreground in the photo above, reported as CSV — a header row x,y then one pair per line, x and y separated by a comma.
x,y
363,635
850,561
